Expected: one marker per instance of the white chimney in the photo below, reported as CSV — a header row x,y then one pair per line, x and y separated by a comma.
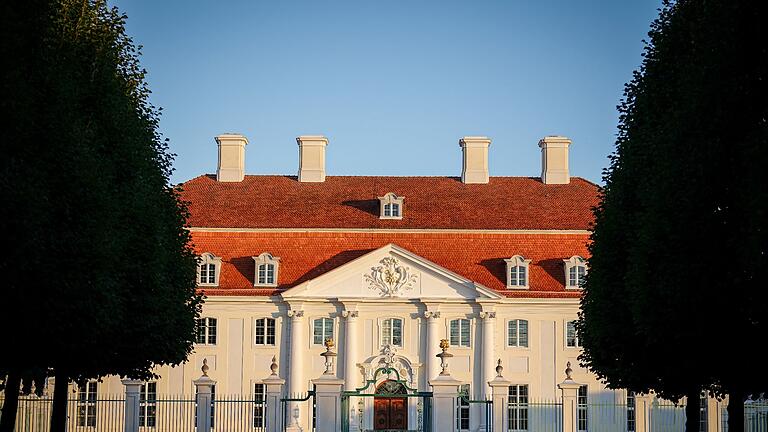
x,y
312,158
475,152
231,166
554,160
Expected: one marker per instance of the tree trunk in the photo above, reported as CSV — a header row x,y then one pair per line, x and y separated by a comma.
x,y
8,419
736,411
692,411
59,410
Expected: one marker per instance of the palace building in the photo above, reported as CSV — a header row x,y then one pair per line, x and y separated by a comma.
x,y
389,266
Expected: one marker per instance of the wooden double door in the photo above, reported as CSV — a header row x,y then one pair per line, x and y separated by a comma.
x,y
390,413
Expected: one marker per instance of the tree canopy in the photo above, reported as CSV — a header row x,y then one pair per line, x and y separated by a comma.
x,y
97,254
675,297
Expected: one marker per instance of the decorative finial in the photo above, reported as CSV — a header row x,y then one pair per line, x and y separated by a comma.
x,y
499,369
273,366
568,371
205,367
329,355
444,345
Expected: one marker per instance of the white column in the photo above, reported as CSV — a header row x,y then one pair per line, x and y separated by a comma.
x,y
204,384
296,384
431,362
274,391
570,389
132,395
500,397
351,375
328,403
486,365
487,371
643,412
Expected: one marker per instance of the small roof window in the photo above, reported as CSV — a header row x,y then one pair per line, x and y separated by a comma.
x,y
391,206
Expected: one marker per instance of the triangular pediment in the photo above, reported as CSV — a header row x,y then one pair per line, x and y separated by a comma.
x,y
391,272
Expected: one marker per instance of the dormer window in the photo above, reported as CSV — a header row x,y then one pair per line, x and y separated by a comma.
x,y
575,271
267,267
391,206
517,272
208,270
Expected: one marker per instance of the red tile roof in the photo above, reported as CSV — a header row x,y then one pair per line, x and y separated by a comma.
x,y
351,202
476,256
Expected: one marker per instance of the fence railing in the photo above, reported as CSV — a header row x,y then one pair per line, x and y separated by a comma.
x,y
538,416
105,414
755,416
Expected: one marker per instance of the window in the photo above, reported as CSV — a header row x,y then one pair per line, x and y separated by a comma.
x,y
462,408
148,405
264,331
322,329
267,267
259,399
517,333
571,335
517,272
631,413
206,331
581,409
86,404
391,206
459,331
392,332
208,270
213,405
575,271
518,407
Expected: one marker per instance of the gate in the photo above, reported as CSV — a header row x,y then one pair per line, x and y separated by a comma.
x,y
387,404
290,417
486,410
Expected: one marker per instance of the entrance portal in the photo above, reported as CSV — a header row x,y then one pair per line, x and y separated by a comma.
x,y
390,412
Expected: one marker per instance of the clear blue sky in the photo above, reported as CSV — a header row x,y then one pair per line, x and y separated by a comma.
x,y
393,84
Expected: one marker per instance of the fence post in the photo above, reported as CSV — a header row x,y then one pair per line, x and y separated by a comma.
x,y
713,415
570,389
643,405
132,398
274,391
328,394
445,391
499,396
203,385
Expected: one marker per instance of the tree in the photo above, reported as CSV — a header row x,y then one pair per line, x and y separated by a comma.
x,y
97,245
680,242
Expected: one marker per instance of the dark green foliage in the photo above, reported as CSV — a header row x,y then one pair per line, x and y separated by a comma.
x,y
675,300
97,256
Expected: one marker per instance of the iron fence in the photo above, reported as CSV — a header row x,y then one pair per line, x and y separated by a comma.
x,y
545,415
755,415
666,416
167,413
105,414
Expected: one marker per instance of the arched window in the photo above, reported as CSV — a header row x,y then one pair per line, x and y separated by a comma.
x,y
391,206
459,332
517,272
322,329
575,270
208,270
264,331
392,332
267,267
517,333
